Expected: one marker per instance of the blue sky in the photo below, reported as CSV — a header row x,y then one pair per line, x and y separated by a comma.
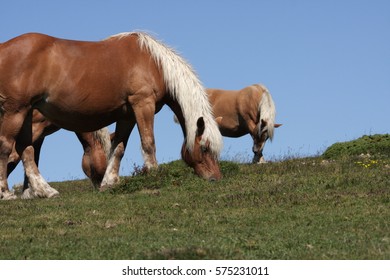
x,y
326,64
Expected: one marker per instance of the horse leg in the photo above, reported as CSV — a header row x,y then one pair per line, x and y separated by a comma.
x,y
10,126
41,127
36,186
37,151
118,146
144,115
13,161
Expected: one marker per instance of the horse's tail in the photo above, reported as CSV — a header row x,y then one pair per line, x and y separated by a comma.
x,y
184,87
103,137
267,111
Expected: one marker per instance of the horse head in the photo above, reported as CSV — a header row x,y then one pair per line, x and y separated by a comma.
x,y
264,134
201,158
97,146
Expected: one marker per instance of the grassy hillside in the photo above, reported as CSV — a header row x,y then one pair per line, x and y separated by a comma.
x,y
329,207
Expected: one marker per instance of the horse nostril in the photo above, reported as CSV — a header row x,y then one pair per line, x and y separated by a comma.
x,y
212,179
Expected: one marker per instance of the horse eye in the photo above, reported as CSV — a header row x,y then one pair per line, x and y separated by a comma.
x,y
204,149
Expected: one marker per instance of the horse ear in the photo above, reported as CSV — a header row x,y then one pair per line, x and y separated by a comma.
x,y
200,127
277,125
219,120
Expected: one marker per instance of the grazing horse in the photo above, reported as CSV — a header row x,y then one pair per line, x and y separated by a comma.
x,y
84,86
96,147
250,110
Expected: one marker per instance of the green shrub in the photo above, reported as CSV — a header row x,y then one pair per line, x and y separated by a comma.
x,y
378,144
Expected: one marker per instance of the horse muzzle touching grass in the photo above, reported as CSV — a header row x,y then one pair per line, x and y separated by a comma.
x,y
200,158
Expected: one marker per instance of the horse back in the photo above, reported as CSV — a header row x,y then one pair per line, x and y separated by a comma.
x,y
34,64
23,49
222,101
44,54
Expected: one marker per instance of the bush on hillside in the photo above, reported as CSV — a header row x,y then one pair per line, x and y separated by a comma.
x,y
378,144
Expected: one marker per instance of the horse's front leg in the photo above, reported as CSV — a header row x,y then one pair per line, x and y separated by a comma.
x,y
118,146
145,122
38,187
37,144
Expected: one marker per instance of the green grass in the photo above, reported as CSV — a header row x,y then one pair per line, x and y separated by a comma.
x,y
304,208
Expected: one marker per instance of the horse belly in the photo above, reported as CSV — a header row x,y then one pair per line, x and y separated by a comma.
x,y
234,132
231,126
81,119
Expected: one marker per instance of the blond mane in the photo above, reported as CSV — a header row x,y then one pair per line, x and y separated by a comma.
x,y
185,87
267,111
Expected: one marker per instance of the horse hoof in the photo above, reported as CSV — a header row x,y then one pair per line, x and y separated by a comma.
x,y
8,196
52,193
108,182
104,188
29,194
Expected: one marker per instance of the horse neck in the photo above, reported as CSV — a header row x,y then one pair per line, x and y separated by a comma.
x,y
178,116
186,92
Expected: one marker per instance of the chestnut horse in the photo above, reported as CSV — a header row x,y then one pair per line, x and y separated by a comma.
x,y
84,86
96,147
250,110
